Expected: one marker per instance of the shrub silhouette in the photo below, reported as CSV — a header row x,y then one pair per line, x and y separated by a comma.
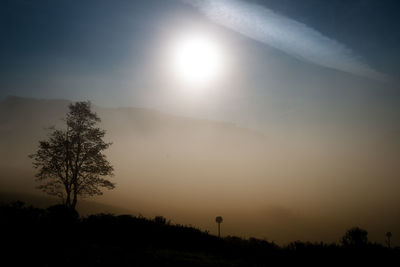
x,y
355,237
61,214
160,220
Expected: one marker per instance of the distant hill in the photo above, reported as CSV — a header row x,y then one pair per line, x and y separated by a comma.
x,y
160,159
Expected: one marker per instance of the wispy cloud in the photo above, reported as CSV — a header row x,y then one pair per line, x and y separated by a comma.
x,y
292,37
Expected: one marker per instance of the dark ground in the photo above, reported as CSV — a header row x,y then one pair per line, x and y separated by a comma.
x,y
59,237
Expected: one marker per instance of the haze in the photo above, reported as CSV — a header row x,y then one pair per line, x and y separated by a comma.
x,y
296,138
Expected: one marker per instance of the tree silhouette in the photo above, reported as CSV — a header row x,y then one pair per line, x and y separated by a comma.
x,y
71,163
355,237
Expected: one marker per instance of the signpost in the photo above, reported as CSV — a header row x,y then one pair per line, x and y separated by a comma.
x,y
219,221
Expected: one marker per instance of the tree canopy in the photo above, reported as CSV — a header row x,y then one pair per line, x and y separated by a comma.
x,y
71,161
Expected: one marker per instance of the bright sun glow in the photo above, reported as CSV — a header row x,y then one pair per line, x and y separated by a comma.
x,y
196,60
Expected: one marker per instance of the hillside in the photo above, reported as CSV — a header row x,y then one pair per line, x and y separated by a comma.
x,y
58,237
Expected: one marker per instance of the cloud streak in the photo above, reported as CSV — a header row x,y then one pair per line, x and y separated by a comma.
x,y
292,37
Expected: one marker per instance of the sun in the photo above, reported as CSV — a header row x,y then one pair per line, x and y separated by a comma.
x,y
196,60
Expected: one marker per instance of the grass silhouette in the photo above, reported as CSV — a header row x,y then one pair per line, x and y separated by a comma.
x,y
57,236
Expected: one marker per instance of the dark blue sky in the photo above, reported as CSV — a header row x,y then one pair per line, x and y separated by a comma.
x,y
104,30
368,26
107,51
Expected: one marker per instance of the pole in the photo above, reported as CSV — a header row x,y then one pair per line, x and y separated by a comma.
x,y
219,220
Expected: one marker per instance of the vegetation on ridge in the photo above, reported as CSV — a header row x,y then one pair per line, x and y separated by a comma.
x,y
58,236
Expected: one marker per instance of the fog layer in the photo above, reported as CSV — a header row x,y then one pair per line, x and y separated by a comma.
x,y
310,184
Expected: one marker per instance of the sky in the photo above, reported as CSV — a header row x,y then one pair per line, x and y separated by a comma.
x,y
115,54
320,79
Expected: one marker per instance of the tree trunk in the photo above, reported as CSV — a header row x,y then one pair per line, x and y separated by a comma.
x,y
68,199
75,200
